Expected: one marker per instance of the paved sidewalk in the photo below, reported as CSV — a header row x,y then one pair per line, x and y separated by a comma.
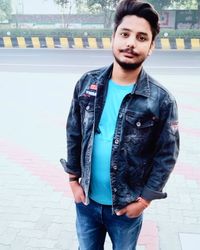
x,y
37,209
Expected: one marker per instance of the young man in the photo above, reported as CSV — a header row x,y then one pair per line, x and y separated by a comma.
x,y
122,136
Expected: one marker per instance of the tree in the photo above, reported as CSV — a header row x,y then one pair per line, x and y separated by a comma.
x,y
186,4
198,7
160,5
104,6
5,10
108,6
64,5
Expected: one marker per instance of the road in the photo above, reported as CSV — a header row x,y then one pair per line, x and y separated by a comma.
x,y
79,61
36,208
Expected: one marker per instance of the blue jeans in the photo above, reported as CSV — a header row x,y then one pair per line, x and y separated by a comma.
x,y
95,220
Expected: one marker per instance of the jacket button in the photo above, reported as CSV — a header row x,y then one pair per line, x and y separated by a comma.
x,y
120,115
138,124
116,141
115,167
115,190
87,107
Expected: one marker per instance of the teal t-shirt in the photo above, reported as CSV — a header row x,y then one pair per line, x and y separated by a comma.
x,y
100,187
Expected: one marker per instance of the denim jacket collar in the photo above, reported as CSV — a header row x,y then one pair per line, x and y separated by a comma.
x,y
142,84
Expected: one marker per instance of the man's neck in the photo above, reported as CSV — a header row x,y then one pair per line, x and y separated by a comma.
x,y
123,76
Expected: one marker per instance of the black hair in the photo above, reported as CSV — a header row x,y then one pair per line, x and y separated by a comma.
x,y
140,9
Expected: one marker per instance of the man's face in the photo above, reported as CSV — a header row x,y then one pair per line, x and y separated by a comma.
x,y
132,42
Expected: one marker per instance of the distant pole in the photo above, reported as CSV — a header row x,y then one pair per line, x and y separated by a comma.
x,y
198,13
20,5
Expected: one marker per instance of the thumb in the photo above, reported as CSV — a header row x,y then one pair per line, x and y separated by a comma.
x,y
83,198
121,211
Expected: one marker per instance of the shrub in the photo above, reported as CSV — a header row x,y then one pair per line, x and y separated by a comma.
x,y
98,33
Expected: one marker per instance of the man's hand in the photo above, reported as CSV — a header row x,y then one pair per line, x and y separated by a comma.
x,y
77,191
133,210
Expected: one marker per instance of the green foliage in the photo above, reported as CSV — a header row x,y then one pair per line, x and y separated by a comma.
x,y
5,9
160,5
102,5
179,33
106,7
98,33
177,4
62,3
185,4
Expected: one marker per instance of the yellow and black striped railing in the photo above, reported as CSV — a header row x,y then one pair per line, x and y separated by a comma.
x,y
89,42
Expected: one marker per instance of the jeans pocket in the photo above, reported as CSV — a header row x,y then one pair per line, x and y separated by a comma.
x,y
132,218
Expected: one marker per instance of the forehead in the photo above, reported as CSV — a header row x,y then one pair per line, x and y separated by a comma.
x,y
135,24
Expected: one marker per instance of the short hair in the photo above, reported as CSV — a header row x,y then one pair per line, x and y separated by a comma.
x,y
140,9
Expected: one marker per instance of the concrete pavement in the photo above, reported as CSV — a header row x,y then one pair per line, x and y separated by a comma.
x,y
36,206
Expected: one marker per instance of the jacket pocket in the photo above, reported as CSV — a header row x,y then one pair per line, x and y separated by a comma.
x,y
138,126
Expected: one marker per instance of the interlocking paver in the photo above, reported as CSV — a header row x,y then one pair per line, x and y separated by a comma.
x,y
4,247
19,243
38,243
8,236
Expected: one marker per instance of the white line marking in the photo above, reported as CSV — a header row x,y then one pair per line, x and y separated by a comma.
x,y
92,65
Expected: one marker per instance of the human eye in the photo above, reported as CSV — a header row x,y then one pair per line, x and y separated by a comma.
x,y
124,34
142,38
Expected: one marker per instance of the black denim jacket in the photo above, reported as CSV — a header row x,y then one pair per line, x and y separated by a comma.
x,y
145,143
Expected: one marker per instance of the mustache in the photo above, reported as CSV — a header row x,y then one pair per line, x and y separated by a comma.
x,y
130,51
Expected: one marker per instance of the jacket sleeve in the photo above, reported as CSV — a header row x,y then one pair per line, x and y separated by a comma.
x,y
74,137
166,153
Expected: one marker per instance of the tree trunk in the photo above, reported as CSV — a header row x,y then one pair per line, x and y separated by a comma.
x,y
107,19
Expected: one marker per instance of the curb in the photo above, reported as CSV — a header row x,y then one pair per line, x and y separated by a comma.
x,y
89,42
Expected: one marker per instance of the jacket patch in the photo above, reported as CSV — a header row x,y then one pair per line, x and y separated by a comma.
x,y
174,126
92,91
93,87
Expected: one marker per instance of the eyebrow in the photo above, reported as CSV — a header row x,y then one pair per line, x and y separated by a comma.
x,y
125,29
143,33
140,32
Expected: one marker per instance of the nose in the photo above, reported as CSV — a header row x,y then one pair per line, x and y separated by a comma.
x,y
131,42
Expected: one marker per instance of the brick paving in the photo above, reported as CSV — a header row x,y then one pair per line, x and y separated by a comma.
x,y
37,209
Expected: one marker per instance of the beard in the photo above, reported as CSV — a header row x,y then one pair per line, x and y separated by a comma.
x,y
128,66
